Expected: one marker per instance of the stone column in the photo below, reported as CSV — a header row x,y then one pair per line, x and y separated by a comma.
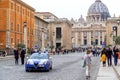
x,y
82,38
99,38
103,36
88,38
76,39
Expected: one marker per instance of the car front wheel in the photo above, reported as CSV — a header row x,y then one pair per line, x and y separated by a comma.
x,y
51,68
27,70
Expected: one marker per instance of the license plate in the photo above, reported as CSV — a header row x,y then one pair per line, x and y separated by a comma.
x,y
41,65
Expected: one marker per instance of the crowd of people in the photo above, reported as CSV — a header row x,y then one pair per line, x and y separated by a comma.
x,y
107,54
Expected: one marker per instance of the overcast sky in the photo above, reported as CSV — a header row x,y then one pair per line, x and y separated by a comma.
x,y
71,8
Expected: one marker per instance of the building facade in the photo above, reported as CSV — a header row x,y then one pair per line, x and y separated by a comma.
x,y
59,31
91,32
41,33
14,13
47,16
60,34
112,27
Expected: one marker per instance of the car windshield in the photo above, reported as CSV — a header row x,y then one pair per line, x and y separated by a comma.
x,y
39,56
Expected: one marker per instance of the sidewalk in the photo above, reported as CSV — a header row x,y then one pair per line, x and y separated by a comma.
x,y
8,56
109,73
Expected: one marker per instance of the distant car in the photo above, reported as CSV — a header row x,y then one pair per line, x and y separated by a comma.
x,y
38,61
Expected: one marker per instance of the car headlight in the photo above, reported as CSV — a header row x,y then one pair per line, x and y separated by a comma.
x,y
30,62
45,62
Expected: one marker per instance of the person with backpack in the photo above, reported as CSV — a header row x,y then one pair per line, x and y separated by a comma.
x,y
87,62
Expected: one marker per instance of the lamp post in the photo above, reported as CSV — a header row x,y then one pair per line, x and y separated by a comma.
x,y
115,29
25,35
42,38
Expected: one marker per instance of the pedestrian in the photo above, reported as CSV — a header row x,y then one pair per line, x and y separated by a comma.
x,y
4,53
103,57
16,56
22,55
87,61
109,56
115,55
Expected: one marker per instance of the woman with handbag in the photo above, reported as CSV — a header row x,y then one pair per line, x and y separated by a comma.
x,y
87,62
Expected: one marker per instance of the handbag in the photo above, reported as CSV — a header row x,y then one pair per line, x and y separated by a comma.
x,y
84,63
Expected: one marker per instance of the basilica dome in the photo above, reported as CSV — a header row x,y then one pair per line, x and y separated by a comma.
x,y
99,8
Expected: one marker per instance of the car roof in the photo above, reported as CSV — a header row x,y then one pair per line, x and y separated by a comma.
x,y
40,53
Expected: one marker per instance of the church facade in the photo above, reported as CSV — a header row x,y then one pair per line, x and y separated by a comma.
x,y
92,32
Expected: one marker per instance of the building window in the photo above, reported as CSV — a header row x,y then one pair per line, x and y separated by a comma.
x,y
101,42
28,42
28,14
96,41
12,27
28,31
91,42
58,33
23,11
85,33
100,33
18,40
96,33
91,34
11,5
18,8
32,32
85,42
18,27
12,40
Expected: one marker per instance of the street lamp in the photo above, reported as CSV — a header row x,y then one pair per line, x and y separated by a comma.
x,y
115,29
25,35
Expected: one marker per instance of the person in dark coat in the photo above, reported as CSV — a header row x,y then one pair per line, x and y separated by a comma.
x,y
22,55
104,51
16,56
109,56
115,55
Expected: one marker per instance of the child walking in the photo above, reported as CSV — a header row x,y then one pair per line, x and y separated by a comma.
x,y
103,59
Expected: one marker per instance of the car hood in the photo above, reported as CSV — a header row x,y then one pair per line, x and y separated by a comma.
x,y
38,60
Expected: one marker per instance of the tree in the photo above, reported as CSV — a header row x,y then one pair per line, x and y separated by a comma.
x,y
20,45
117,40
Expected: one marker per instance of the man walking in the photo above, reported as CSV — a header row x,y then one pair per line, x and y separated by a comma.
x,y
22,55
16,56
